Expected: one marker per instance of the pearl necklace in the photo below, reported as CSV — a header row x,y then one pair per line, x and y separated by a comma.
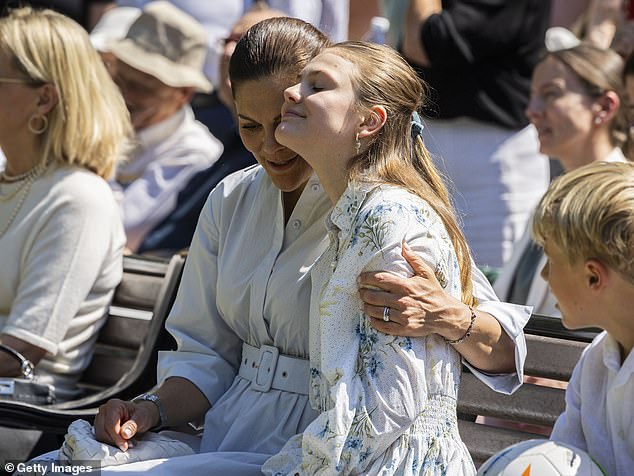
x,y
15,178
28,177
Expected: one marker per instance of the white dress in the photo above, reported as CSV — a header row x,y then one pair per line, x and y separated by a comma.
x,y
387,403
247,279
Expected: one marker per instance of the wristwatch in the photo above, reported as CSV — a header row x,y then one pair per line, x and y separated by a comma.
x,y
151,397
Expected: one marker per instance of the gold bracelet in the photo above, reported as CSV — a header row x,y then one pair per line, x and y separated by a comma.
x,y
466,334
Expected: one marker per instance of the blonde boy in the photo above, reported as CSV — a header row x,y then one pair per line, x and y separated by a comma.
x,y
586,224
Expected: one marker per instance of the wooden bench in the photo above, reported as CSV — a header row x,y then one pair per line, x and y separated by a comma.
x,y
552,353
124,365
124,360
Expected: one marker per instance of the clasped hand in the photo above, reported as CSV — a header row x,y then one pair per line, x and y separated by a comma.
x,y
118,421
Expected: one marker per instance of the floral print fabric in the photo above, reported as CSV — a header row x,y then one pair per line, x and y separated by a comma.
x,y
387,403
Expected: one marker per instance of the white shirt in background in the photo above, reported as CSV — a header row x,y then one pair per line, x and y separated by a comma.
x,y
168,155
538,295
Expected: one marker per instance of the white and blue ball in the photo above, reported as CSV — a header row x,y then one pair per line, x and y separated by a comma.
x,y
540,458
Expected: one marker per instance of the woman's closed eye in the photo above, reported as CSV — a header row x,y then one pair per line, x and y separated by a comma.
x,y
249,127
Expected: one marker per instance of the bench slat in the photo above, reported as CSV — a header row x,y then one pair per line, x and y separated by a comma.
x,y
128,322
138,291
530,404
552,358
124,332
105,370
549,326
484,441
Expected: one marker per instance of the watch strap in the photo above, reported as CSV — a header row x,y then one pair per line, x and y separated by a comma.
x,y
152,397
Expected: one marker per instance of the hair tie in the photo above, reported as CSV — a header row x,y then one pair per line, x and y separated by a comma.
x,y
416,126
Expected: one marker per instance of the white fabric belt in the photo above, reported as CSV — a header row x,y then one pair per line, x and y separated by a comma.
x,y
266,368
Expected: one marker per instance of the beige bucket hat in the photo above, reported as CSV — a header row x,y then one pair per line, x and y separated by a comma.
x,y
168,44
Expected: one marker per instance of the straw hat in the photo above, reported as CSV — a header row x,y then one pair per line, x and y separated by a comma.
x,y
168,44
113,25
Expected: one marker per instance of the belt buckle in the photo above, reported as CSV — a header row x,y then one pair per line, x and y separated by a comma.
x,y
265,371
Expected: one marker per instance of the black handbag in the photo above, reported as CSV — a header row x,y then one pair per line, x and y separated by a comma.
x,y
24,389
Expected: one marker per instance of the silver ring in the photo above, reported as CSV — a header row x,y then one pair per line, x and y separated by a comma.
x,y
386,314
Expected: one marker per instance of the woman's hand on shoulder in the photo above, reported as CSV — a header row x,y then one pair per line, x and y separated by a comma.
x,y
418,306
118,421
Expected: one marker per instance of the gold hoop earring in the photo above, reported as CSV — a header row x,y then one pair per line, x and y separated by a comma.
x,y
44,126
357,143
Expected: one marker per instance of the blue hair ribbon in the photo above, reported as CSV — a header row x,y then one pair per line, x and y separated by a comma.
x,y
416,125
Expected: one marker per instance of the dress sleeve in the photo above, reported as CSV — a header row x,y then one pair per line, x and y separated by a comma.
x,y
512,318
376,386
208,352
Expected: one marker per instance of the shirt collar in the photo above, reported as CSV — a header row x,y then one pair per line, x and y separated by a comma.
x,y
160,131
612,354
616,155
347,207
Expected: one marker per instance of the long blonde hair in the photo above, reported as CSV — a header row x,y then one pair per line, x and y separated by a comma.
x,y
90,124
384,78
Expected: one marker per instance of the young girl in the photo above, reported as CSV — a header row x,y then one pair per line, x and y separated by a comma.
x,y
387,404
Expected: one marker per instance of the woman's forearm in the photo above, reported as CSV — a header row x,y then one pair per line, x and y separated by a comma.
x,y
488,348
417,13
182,400
9,366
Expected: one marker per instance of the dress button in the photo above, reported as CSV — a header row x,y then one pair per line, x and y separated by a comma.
x,y
296,224
315,187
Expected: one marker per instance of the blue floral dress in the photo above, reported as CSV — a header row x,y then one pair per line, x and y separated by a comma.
x,y
387,404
